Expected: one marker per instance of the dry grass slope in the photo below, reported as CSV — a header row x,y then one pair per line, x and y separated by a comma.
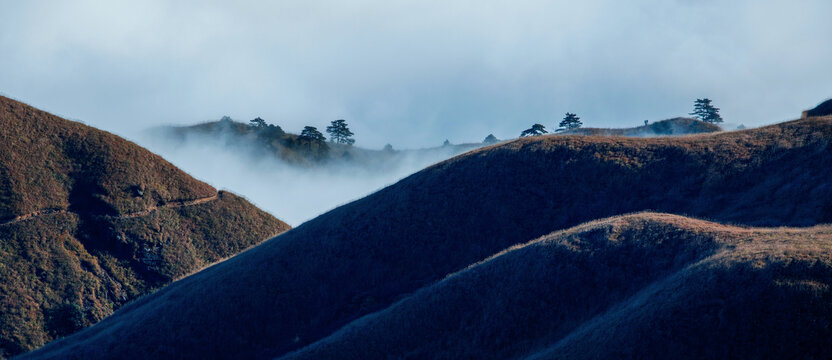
x,y
90,221
638,286
360,258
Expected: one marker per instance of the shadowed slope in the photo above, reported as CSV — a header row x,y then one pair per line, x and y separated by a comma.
x,y
643,286
669,127
90,221
823,109
361,257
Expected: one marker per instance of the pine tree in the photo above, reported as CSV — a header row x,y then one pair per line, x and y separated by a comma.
x,y
312,133
535,130
703,110
570,121
490,139
257,123
340,133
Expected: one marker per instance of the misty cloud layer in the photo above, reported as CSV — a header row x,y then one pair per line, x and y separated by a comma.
x,y
414,73
292,193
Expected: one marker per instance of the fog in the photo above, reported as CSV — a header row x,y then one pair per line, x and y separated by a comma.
x,y
292,193
410,73
428,69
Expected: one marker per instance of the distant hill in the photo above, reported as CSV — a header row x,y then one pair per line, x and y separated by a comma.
x,y
645,285
399,243
90,221
823,109
670,127
293,149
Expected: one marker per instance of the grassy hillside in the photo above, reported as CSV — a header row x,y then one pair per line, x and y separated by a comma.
x,y
362,257
670,127
90,221
642,286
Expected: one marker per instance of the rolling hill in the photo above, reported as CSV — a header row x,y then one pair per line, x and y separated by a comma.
x,y
670,127
90,221
363,257
637,286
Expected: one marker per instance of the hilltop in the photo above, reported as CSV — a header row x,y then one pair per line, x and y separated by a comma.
x,y
363,257
293,149
823,109
670,127
90,221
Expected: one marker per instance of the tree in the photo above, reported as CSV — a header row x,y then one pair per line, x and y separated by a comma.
x,y
490,139
312,133
258,123
703,110
388,148
446,143
340,133
535,130
312,144
570,121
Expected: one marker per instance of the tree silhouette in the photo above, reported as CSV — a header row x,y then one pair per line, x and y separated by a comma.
x,y
490,139
258,123
535,130
570,121
340,133
312,133
703,110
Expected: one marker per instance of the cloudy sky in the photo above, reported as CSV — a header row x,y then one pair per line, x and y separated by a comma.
x,y
413,73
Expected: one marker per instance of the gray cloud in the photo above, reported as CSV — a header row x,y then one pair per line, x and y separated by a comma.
x,y
413,73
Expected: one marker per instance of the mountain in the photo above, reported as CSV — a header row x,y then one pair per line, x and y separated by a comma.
x,y
359,259
638,286
90,221
670,127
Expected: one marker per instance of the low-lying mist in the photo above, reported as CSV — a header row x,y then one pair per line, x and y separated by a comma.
x,y
292,193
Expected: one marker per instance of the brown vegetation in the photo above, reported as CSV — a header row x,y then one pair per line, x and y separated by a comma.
x,y
90,221
292,291
638,286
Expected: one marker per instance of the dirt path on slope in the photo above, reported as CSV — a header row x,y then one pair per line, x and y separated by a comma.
x,y
145,212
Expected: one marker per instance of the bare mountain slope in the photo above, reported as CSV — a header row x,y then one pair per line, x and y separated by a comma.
x,y
359,258
90,221
642,286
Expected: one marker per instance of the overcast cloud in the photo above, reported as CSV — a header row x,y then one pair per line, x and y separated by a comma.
x,y
413,73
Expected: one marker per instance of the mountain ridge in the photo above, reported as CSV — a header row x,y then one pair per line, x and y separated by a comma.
x,y
458,212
